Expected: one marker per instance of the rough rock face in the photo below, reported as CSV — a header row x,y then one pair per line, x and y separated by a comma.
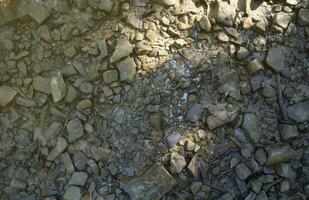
x,y
152,185
278,58
123,49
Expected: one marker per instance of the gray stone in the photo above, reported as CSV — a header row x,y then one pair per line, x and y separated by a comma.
x,y
67,162
7,94
284,186
166,2
224,13
58,87
44,33
123,49
205,23
251,128
80,160
53,130
242,53
285,170
110,76
153,184
61,145
72,193
242,171
195,187
193,166
38,11
303,17
42,84
103,48
86,87
78,179
71,94
288,131
254,66
299,112
177,163
278,58
195,113
75,129
105,5
18,184
220,114
226,196
256,81
260,156
261,196
155,120
173,139
282,19
127,69
280,153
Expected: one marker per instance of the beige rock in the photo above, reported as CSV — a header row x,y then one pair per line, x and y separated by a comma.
x,y
7,94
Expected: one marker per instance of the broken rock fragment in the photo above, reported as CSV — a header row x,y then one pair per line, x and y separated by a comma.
x,y
7,94
75,129
153,184
178,162
123,49
224,13
57,87
278,58
251,128
278,153
195,113
299,112
166,2
127,69
38,11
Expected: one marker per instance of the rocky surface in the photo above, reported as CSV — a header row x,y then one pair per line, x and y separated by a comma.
x,y
154,99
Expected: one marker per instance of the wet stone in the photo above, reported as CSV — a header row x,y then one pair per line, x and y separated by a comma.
x,y
75,129
153,184
177,163
7,94
78,179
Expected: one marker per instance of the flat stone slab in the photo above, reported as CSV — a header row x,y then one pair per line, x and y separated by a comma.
x,y
153,184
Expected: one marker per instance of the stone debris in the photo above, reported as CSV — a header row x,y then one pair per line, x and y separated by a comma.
x,y
7,94
251,127
153,184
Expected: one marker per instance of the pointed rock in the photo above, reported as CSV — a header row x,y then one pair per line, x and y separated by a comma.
x,y
58,87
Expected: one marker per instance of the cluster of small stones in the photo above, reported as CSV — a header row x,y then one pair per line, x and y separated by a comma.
x,y
154,99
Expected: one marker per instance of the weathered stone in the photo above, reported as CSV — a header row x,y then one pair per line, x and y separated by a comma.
x,y
155,120
177,163
242,53
303,17
299,112
173,139
254,66
251,128
7,14
38,11
284,186
223,37
44,33
288,131
224,13
75,129
42,84
67,162
81,4
103,48
80,160
106,5
261,196
256,81
195,187
86,87
166,2
285,170
72,193
282,19
78,179
7,94
58,87
123,49
278,58
226,196
242,171
260,156
193,166
53,130
220,115
205,23
194,113
153,184
127,69
280,153
110,76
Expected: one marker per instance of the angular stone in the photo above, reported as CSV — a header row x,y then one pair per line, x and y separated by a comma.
x,y
303,17
105,5
58,87
173,138
177,163
42,84
7,94
242,171
80,160
282,19
288,131
72,193
285,170
38,11
280,153
220,115
299,112
166,2
155,120
261,196
103,48
251,128
193,166
194,113
53,130
110,76
123,49
44,33
205,23
7,14
78,179
224,13
254,66
75,129
67,162
242,53
153,184
127,69
278,58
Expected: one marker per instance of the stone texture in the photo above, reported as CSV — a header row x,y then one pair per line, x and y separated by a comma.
x,y
224,13
78,179
278,58
299,112
281,153
42,84
58,87
7,94
166,2
194,113
251,128
127,69
38,11
242,171
153,184
75,129
123,49
110,76
288,131
72,193
177,163
303,17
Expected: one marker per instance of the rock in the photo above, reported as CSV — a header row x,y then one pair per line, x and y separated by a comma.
x,y
155,120
72,193
67,162
42,84
280,153
285,170
299,112
38,11
123,49
205,23
173,139
81,4
226,196
220,114
288,131
254,66
195,187
7,14
282,19
18,184
86,87
166,2
103,48
105,5
194,113
71,94
251,128
53,130
110,76
78,179
306,189
260,156
58,87
284,186
80,160
153,184
303,17
242,171
75,129
278,58
177,163
242,53
193,166
61,145
224,13
127,69
44,33
256,81
223,37
7,94
261,196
